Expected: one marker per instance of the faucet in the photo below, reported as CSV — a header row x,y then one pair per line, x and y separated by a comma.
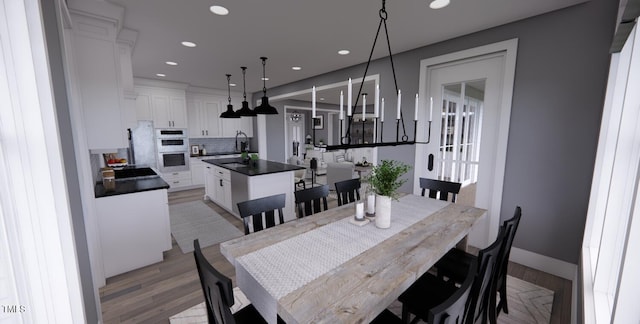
x,y
246,146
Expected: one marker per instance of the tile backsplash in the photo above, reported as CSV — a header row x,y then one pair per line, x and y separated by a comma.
x,y
217,145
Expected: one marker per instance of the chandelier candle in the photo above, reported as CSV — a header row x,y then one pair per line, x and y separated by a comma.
x,y
382,111
341,108
349,90
415,116
376,103
364,106
430,108
399,101
313,102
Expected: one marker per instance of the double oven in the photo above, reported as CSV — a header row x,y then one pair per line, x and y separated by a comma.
x,y
172,146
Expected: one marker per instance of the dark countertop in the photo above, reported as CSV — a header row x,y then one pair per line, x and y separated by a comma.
x,y
132,180
261,167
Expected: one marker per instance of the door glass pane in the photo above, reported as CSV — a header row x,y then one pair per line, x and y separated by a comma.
x,y
462,105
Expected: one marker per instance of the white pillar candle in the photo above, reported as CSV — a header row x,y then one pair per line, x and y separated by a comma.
x,y
399,102
349,98
371,204
376,104
364,106
360,211
313,102
415,116
430,108
382,111
341,106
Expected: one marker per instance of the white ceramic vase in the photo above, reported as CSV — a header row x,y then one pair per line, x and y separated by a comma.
x,y
383,211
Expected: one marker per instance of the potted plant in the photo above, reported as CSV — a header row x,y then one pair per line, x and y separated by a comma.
x,y
384,179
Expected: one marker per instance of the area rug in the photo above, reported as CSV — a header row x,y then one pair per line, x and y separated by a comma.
x,y
195,220
528,303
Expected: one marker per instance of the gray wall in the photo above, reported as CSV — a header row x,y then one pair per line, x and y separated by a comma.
x,y
68,153
560,81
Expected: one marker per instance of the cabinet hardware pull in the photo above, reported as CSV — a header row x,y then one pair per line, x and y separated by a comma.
x,y
220,182
202,132
207,132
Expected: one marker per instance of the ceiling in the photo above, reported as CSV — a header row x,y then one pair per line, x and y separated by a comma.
x,y
295,33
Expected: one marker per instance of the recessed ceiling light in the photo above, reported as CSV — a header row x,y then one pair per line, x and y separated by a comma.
x,y
264,79
438,4
296,68
343,52
161,74
171,63
219,10
321,99
189,44
232,84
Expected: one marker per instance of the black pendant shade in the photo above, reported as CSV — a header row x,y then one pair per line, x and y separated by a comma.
x,y
245,111
265,108
229,113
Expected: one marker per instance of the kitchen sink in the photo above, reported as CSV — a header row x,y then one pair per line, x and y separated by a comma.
x,y
135,173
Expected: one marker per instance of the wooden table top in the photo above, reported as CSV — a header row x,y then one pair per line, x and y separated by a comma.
x,y
362,287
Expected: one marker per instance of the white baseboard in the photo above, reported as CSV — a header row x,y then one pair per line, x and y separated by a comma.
x,y
547,264
552,266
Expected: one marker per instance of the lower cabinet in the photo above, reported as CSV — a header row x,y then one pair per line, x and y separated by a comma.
x,y
177,179
218,186
134,230
197,172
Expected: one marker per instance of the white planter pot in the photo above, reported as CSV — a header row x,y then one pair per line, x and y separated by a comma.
x,y
383,211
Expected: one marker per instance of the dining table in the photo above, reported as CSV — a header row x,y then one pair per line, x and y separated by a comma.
x,y
328,268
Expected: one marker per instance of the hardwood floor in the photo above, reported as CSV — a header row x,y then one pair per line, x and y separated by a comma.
x,y
154,293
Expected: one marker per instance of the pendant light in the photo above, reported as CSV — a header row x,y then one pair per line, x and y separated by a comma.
x,y
245,111
229,113
265,108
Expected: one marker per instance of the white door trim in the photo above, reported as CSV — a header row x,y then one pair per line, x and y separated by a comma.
x,y
509,48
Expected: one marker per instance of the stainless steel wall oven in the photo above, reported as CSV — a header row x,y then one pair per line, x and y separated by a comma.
x,y
173,150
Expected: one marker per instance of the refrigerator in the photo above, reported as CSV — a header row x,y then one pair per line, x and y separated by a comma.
x,y
142,148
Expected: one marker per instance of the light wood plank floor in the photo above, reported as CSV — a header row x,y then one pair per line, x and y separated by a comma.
x,y
153,293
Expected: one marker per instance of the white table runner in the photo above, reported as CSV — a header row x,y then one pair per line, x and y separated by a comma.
x,y
268,274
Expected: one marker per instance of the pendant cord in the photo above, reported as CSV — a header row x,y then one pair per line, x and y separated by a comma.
x,y
229,86
244,84
383,19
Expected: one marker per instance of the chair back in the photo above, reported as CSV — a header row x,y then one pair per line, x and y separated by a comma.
x,y
348,191
217,289
309,201
453,309
509,226
439,186
256,208
486,268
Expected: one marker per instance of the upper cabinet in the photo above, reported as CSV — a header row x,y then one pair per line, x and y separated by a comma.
x,y
203,113
162,102
102,64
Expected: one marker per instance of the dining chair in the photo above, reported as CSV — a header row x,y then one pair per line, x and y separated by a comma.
x,y
452,265
425,296
218,294
309,201
255,209
348,191
439,186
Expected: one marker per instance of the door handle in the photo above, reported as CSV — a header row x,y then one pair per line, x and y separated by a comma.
x,y
430,162
220,182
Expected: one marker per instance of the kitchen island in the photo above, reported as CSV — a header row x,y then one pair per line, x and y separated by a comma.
x,y
230,181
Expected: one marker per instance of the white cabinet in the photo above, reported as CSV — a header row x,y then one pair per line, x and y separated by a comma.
x,y
176,180
218,186
134,230
203,116
165,106
97,64
197,172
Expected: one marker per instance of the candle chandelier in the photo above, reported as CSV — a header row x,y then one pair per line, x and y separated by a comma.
x,y
346,138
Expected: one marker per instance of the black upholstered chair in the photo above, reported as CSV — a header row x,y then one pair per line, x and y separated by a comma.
x,y
309,201
439,186
254,210
454,263
426,297
218,294
348,191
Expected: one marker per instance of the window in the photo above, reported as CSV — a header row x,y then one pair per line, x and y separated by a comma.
x,y
614,208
